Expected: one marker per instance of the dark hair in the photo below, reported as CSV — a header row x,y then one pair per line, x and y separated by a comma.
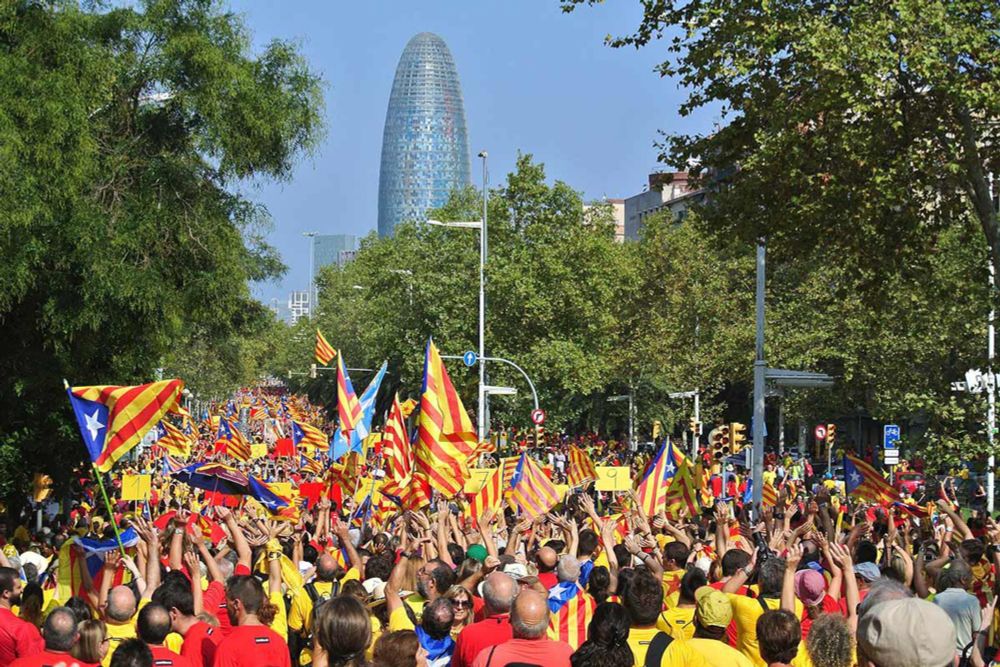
x,y
692,580
770,576
607,639
343,629
778,634
8,576
622,555
587,542
865,552
456,552
60,629
153,624
677,552
972,550
132,653
733,560
396,649
442,575
379,566
79,609
175,596
437,618
598,583
644,598
309,554
247,590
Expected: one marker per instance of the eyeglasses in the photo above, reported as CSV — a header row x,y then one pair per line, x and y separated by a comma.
x,y
106,640
462,604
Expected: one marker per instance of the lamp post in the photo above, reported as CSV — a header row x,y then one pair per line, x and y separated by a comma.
x,y
313,297
481,225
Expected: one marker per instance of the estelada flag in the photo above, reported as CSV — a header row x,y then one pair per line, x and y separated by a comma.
x,y
114,419
348,406
324,351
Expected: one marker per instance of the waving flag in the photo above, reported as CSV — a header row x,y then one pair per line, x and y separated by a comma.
x,y
864,481
581,467
232,441
396,449
348,407
571,609
307,436
446,438
172,439
652,490
341,444
488,497
324,351
531,490
769,496
89,555
309,466
113,419
684,489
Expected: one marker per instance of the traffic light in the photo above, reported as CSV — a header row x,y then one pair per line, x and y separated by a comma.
x,y
312,371
719,441
831,436
693,425
738,432
657,427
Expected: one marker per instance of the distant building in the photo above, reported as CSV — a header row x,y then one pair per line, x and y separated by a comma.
x,y
667,191
280,310
298,305
334,249
617,211
425,147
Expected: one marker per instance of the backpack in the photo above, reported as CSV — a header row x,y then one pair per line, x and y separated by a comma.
x,y
657,647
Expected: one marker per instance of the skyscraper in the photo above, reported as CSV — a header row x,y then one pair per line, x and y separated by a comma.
x,y
425,149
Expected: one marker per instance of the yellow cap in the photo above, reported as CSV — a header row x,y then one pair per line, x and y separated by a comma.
x,y
714,608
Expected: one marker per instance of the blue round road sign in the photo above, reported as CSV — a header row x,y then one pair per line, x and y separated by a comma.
x,y
470,358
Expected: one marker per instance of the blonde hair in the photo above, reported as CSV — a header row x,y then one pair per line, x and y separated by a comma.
x,y
91,646
456,592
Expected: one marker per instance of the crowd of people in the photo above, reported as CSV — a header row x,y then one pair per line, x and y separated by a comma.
x,y
815,579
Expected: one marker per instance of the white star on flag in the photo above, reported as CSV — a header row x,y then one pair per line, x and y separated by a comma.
x,y
855,478
94,425
669,468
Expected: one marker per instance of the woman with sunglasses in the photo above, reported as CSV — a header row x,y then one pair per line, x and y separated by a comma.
x,y
461,602
93,643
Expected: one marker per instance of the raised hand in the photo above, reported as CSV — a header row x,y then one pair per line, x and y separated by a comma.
x,y
793,557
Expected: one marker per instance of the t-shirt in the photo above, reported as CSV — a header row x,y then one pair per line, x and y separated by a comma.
x,y
18,638
719,654
164,657
490,631
300,614
253,646
746,611
400,620
548,579
672,587
50,659
731,630
200,643
525,653
678,653
117,633
677,622
963,610
828,606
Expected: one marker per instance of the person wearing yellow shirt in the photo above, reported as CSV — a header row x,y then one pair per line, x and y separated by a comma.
x,y
779,635
713,614
747,610
678,621
643,602
770,475
675,556
434,579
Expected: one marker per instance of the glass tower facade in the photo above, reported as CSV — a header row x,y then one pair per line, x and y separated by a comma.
x,y
425,147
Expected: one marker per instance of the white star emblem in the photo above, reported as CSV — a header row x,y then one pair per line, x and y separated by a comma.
x,y
94,424
855,478
670,468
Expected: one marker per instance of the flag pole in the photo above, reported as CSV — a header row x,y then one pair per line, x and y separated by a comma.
x,y
111,512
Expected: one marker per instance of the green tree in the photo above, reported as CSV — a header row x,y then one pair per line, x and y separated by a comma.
x,y
127,246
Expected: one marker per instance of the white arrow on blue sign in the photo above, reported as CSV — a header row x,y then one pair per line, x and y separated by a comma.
x,y
470,358
890,436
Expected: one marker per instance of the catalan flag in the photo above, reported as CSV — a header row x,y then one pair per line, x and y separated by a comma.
x,y
581,467
446,438
113,419
652,490
684,489
531,490
309,466
172,439
488,497
308,437
417,494
232,440
396,445
570,609
324,351
864,481
769,496
348,406
78,553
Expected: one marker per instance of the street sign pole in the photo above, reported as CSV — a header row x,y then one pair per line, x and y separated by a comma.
x,y
759,369
991,416
697,422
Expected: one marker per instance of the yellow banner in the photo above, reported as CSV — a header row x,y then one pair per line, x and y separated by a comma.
x,y
283,489
477,477
613,478
258,450
135,487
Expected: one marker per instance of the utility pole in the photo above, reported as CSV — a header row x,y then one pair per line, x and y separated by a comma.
x,y
481,416
759,370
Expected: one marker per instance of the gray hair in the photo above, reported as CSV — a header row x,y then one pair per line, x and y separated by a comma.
x,y
499,591
121,604
522,630
883,589
955,574
568,568
60,629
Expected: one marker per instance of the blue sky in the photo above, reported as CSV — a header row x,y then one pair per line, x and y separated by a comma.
x,y
534,79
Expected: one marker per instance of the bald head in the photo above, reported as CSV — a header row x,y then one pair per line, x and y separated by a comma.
x,y
121,604
326,568
529,617
546,559
499,591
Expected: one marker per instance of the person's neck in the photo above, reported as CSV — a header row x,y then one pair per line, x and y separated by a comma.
x,y
52,650
250,619
185,623
5,604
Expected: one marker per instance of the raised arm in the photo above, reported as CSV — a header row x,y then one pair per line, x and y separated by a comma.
x,y
843,557
240,543
191,561
442,533
792,560
960,526
341,531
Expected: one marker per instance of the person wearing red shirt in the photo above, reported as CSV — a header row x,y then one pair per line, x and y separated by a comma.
x,y
200,638
546,559
251,643
499,589
153,626
18,637
529,642
60,636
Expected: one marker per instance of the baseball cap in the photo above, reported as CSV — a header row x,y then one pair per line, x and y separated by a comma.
x,y
713,609
476,552
867,571
810,587
907,632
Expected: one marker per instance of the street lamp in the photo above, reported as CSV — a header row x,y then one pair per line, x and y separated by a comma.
x,y
313,296
482,226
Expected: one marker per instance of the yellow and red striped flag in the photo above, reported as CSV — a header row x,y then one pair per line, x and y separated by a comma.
x,y
571,609
684,489
396,446
769,495
348,406
324,351
113,419
652,490
309,466
861,479
531,490
581,467
417,493
488,497
235,442
308,437
446,438
173,440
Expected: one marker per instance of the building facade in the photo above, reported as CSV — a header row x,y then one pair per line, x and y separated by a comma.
x,y
334,249
616,207
669,191
299,305
425,146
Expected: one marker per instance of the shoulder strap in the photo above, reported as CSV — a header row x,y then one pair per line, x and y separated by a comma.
x,y
489,660
335,588
657,647
410,614
763,604
312,592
